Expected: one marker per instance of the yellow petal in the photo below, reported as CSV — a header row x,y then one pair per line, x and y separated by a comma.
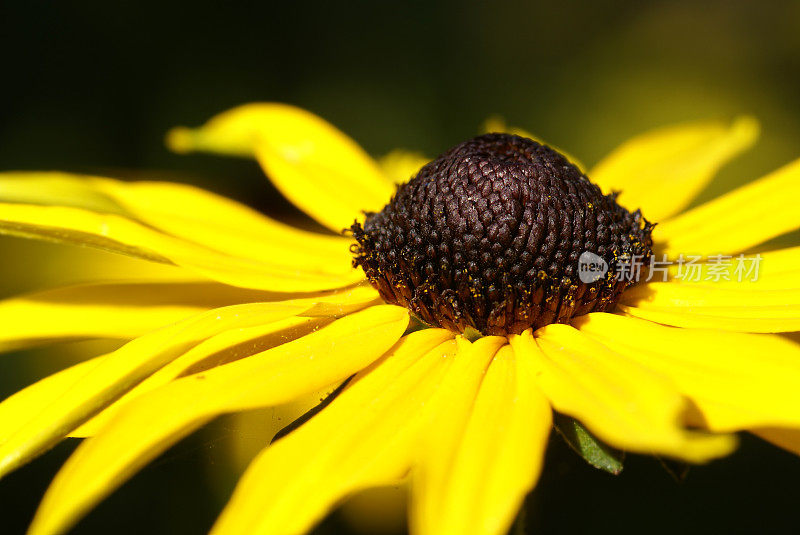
x,y
77,265
240,343
737,220
784,262
736,381
185,211
121,310
218,350
227,226
336,303
724,307
332,195
620,401
16,410
122,235
122,370
312,163
54,188
365,437
442,436
666,294
254,429
754,324
153,422
663,170
771,270
401,165
475,479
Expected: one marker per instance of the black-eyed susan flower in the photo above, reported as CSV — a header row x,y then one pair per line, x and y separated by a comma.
x,y
464,307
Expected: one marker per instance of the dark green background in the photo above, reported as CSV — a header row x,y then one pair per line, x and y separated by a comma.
x,y
93,86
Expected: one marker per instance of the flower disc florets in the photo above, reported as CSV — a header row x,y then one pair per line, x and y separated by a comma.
x,y
489,235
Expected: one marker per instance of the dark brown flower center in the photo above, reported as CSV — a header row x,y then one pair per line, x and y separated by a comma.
x,y
501,234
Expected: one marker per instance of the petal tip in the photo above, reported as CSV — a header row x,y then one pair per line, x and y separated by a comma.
x,y
179,140
747,129
700,448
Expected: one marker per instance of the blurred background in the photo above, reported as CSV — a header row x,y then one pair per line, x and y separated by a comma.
x,y
93,87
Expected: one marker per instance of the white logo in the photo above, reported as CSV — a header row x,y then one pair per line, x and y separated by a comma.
x,y
591,267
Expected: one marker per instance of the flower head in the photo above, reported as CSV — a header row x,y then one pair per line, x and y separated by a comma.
x,y
489,236
246,312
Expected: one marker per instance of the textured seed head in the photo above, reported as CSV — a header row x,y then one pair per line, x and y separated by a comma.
x,y
489,236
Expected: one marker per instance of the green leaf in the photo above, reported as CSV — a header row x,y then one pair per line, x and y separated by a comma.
x,y
587,446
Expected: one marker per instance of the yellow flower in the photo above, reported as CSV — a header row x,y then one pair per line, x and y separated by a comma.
x,y
242,312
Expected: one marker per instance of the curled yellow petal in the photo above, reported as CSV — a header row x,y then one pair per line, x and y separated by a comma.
x,y
332,195
316,166
663,170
